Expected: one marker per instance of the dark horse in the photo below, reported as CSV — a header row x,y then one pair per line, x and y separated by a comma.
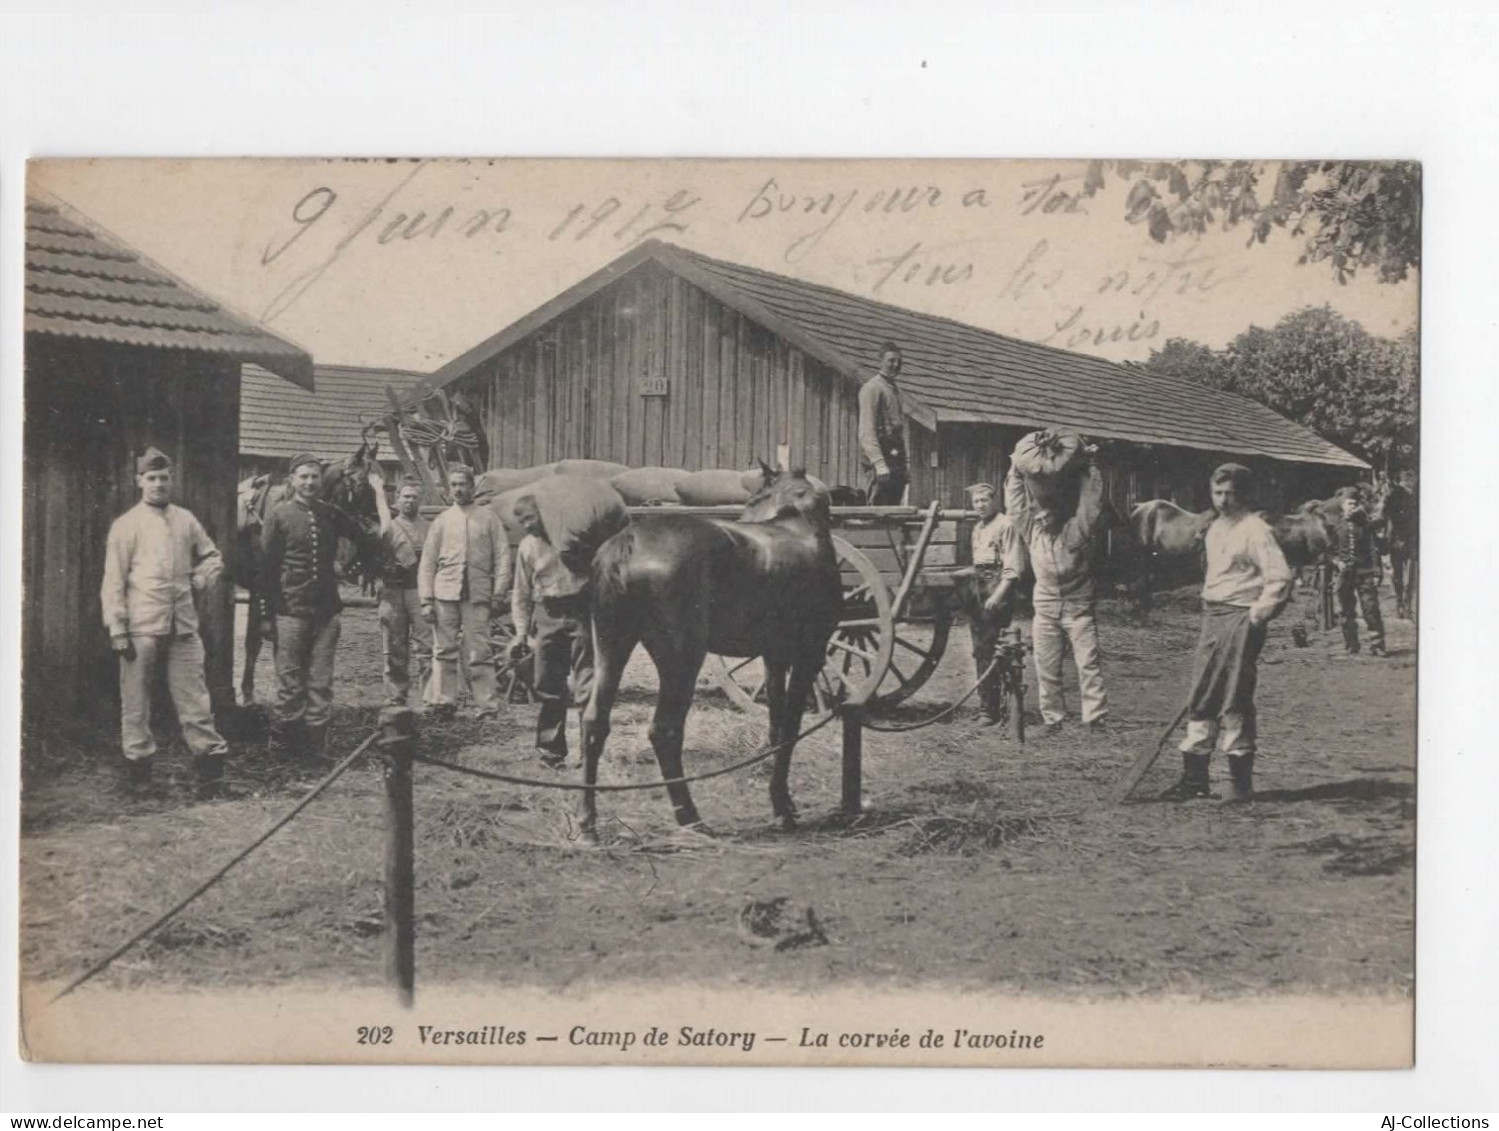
x,y
346,486
766,585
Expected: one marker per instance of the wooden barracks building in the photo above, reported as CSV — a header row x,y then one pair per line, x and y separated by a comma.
x,y
667,357
121,354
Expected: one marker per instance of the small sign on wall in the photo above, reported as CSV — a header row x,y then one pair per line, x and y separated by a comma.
x,y
651,385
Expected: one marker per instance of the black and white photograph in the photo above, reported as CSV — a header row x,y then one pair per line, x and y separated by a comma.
x,y
734,612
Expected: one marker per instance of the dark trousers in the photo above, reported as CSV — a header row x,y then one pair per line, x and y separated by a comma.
x,y
986,628
564,665
1355,589
891,492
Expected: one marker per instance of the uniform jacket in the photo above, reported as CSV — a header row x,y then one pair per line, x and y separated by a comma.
x,y
466,557
884,436
1245,565
1357,546
540,573
155,557
997,545
298,547
1060,553
401,544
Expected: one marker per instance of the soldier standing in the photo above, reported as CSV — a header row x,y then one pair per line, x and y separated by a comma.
x,y
999,561
464,573
402,629
298,547
1358,575
884,436
157,556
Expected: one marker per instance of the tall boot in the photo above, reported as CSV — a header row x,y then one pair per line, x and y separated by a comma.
x,y
1241,771
211,784
284,743
315,750
1194,780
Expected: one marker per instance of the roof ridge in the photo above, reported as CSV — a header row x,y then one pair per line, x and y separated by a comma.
x,y
923,315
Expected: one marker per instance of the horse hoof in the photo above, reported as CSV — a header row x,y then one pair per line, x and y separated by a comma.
x,y
697,828
786,822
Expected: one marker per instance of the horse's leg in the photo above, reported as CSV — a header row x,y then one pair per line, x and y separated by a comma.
x,y
610,657
252,651
677,665
803,674
775,696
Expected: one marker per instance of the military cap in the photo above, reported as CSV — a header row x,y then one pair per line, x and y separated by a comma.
x,y
153,459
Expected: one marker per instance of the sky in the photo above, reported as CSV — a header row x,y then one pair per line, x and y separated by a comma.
x,y
406,264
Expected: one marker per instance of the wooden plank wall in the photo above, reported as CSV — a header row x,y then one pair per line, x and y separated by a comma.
x,y
736,392
90,407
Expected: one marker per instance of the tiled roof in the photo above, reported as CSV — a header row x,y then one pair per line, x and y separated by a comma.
x,y
278,421
954,372
82,283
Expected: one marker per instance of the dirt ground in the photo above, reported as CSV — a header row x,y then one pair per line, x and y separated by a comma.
x,y
978,862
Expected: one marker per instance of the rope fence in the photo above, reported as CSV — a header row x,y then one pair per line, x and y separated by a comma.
x,y
396,739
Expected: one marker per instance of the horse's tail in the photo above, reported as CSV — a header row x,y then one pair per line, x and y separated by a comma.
x,y
611,573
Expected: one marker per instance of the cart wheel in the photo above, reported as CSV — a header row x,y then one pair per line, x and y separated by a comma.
x,y
919,645
514,679
859,651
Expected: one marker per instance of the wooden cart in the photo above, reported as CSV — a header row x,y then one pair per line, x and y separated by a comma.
x,y
898,566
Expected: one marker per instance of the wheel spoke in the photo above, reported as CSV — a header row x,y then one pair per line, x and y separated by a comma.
x,y
861,622
908,646
867,657
900,675
843,679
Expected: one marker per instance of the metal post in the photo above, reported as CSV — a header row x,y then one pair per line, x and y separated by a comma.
x,y
853,759
398,744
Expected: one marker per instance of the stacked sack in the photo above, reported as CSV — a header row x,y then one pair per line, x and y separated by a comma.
x,y
637,486
1051,462
579,513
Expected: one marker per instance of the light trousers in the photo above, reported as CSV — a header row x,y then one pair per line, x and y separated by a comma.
x,y
404,634
183,657
1237,733
468,621
304,669
1055,624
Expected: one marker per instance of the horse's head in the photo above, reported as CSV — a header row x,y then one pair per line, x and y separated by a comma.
x,y
346,483
787,493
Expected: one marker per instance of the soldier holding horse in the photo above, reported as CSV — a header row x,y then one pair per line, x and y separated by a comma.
x,y
345,486
299,587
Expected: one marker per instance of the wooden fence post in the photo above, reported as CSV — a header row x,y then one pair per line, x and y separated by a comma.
x,y
398,744
853,759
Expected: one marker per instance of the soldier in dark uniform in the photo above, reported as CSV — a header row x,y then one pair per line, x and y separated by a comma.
x,y
1357,560
298,547
884,437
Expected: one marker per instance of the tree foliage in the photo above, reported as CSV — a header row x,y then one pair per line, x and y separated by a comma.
x,y
1323,370
1353,214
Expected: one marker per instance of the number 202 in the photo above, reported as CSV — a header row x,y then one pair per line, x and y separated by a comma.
x,y
375,1034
